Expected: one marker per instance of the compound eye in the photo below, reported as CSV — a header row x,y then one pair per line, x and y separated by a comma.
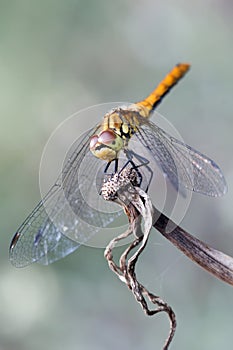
x,y
93,141
107,137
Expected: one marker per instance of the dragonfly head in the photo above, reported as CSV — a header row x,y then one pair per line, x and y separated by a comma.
x,y
106,145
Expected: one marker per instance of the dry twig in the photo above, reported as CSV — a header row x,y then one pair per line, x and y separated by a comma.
x,y
122,188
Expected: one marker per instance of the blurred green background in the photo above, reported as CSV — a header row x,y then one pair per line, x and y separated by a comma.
x,y
57,57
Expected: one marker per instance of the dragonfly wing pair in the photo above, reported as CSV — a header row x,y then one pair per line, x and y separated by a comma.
x,y
184,166
64,219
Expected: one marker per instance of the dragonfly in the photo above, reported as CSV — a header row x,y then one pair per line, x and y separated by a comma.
x,y
65,218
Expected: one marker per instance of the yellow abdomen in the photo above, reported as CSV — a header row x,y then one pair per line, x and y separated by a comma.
x,y
171,79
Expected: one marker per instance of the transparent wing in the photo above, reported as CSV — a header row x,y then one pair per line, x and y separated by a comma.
x,y
38,239
183,165
70,214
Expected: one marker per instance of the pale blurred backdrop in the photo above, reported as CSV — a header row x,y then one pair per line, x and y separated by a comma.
x,y
57,57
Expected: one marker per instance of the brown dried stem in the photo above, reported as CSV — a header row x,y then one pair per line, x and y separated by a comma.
x,y
212,260
137,205
123,189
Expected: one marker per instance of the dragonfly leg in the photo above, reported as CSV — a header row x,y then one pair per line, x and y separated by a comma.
x,y
115,166
142,162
